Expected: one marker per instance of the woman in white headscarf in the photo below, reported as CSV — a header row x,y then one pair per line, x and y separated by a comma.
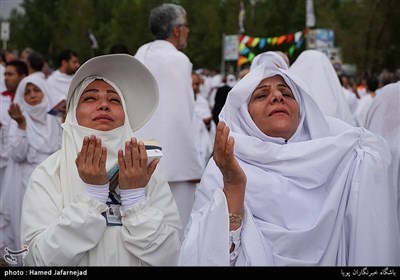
x,y
277,57
317,72
76,211
383,118
288,186
33,136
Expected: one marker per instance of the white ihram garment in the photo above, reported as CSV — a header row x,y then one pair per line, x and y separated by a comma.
x,y
324,198
173,121
26,150
317,72
67,227
383,118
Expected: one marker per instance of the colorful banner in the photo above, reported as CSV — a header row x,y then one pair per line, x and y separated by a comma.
x,y
290,44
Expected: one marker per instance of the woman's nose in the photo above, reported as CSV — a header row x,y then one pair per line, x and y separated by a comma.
x,y
277,96
103,106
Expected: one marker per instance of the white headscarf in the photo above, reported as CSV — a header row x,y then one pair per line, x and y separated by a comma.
x,y
278,58
307,202
317,72
383,118
43,130
73,139
311,138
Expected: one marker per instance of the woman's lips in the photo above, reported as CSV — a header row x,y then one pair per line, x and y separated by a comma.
x,y
279,110
103,117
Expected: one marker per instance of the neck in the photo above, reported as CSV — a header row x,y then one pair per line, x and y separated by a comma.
x,y
173,41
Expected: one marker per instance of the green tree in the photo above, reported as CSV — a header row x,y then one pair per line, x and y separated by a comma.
x,y
366,30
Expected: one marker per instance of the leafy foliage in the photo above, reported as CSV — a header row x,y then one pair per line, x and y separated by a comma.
x,y
366,30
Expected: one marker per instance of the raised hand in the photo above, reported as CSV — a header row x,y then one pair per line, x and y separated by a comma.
x,y
133,170
16,114
234,177
91,161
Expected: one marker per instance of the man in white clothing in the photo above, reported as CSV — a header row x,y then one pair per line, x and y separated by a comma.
x,y
172,121
14,72
61,78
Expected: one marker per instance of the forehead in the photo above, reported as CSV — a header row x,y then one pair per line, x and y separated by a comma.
x,y
11,68
99,84
30,84
273,80
195,77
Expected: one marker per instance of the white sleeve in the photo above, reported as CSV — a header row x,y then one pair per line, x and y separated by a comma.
x,y
130,197
153,225
58,235
234,238
207,235
18,144
98,192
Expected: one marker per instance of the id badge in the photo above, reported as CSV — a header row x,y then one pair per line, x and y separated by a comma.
x,y
113,215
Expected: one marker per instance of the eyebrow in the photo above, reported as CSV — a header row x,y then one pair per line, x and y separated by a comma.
x,y
263,86
268,86
97,90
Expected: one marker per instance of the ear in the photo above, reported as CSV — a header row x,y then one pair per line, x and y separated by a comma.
x,y
64,62
176,31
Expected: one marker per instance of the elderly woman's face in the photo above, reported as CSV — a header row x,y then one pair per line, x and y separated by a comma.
x,y
273,108
100,107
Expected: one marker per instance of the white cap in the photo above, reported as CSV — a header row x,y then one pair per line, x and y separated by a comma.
x,y
137,84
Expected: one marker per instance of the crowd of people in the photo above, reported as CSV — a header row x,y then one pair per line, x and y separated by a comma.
x,y
281,165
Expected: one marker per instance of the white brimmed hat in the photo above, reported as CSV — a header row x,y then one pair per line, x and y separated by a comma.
x,y
135,81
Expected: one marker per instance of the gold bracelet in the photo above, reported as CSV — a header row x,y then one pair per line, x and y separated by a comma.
x,y
235,218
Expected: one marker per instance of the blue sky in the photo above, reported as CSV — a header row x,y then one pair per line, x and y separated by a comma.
x,y
6,6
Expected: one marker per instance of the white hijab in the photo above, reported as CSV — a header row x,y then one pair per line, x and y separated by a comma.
x,y
317,72
307,202
73,138
314,135
43,130
383,118
273,56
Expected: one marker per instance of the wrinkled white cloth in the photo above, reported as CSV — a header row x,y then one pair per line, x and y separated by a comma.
x,y
383,118
351,99
5,120
317,72
324,198
59,84
172,121
363,106
204,137
273,56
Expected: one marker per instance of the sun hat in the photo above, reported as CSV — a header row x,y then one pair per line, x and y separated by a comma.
x,y
137,84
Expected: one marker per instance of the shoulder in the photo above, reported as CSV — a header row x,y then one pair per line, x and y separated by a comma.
x,y
142,48
50,167
173,52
